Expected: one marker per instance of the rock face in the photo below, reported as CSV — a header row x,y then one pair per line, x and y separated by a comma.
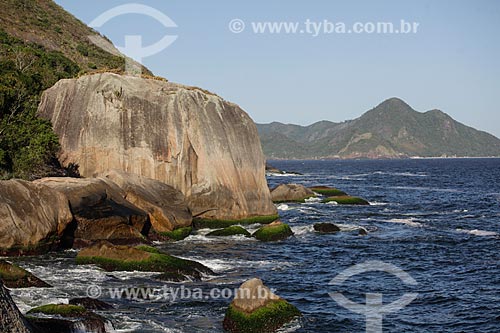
x,y
32,216
256,309
291,193
187,138
99,210
11,320
166,206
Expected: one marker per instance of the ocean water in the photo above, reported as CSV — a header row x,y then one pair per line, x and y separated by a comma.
x,y
436,220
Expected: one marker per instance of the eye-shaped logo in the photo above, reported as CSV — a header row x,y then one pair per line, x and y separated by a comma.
x,y
374,309
133,43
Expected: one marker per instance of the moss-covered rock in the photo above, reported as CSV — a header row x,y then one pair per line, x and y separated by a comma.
x,y
328,191
177,234
275,231
63,310
66,318
142,258
326,228
230,231
202,223
256,309
346,200
14,276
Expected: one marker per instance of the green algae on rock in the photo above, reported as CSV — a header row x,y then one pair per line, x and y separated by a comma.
x,y
328,191
346,200
14,276
177,234
202,223
142,258
256,309
275,231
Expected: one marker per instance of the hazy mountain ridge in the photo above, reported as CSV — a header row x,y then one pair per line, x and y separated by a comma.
x,y
391,130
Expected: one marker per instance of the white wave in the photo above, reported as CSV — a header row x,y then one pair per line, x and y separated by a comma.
x,y
302,230
313,200
375,203
348,227
478,232
283,207
410,222
272,174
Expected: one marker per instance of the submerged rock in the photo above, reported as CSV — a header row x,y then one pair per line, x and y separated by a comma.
x,y
166,206
256,308
90,303
186,137
67,318
347,200
326,228
229,231
14,276
291,193
275,231
33,217
328,191
11,319
100,212
141,258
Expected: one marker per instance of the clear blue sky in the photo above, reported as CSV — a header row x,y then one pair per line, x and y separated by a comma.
x,y
452,63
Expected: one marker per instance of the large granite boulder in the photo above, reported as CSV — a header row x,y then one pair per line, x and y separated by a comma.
x,y
166,206
291,193
32,217
186,137
11,319
256,308
100,210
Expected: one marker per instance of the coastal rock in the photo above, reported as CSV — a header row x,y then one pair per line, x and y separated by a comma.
x,y
100,212
14,276
141,258
67,318
185,137
166,206
256,308
347,200
326,228
291,193
229,231
275,231
32,217
11,319
328,191
90,303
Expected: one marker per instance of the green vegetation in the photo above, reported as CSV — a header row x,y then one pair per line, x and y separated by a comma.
x,y
177,234
27,143
329,191
347,200
147,248
266,319
200,223
230,231
390,130
64,310
273,232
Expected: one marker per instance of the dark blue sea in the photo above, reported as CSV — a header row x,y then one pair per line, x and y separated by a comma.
x,y
436,220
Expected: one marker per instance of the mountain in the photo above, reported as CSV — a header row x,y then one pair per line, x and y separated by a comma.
x,y
391,130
